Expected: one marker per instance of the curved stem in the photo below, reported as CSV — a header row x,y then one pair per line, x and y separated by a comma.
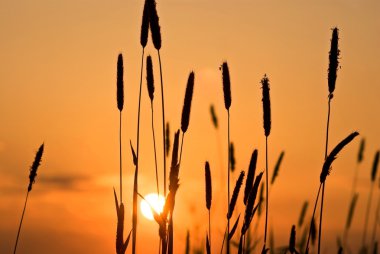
x,y
323,184
312,218
154,145
163,119
19,227
135,183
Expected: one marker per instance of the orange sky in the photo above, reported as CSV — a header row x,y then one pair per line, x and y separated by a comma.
x,y
58,86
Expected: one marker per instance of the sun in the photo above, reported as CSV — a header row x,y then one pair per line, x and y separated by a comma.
x,y
154,201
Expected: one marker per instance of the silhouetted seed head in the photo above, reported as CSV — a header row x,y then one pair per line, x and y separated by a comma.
x,y
208,185
226,85
167,139
292,240
374,166
266,105
214,118
235,195
303,213
149,77
208,249
134,157
233,230
34,167
277,167
313,231
154,25
187,103
187,250
145,25
232,157
352,210
250,208
174,170
261,199
361,150
175,149
120,83
120,229
334,60
332,156
250,176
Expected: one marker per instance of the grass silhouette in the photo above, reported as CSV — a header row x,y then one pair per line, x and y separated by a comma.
x,y
32,179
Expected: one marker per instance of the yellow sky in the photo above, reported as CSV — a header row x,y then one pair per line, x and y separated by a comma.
x,y
58,86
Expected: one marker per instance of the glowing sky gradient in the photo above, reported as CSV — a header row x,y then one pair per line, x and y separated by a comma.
x,y
58,86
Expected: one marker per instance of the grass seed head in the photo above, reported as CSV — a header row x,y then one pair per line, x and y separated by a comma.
x,y
333,60
266,105
226,85
120,83
145,25
187,103
149,77
34,167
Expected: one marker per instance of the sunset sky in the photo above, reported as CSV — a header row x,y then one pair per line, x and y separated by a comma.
x,y
58,86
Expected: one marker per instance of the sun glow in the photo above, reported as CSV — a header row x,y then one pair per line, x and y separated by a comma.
x,y
154,201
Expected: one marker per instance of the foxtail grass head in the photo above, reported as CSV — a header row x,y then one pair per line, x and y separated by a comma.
x,y
332,156
333,61
208,185
235,194
167,139
266,105
120,83
226,85
149,77
277,167
187,103
361,150
214,118
375,166
232,157
154,24
145,25
292,240
250,176
34,167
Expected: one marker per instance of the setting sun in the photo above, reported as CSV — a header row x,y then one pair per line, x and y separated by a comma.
x,y
154,201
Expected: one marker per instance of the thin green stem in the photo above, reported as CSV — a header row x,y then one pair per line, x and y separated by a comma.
x,y
163,119
22,218
228,181
154,145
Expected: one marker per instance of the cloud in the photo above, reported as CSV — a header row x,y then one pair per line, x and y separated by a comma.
x,y
71,182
